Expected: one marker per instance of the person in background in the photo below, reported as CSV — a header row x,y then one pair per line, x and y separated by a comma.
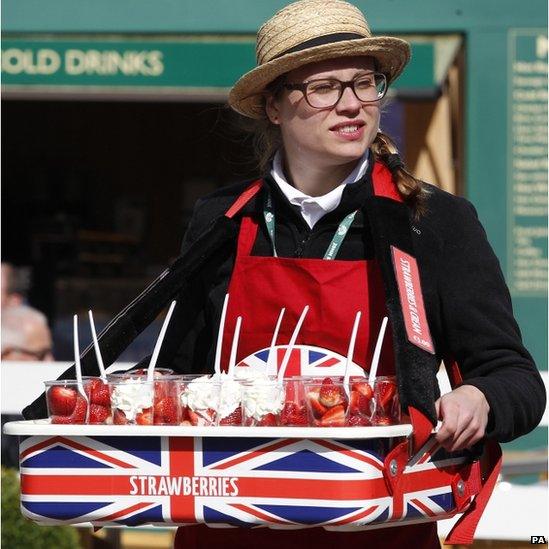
x,y
14,285
25,335
25,338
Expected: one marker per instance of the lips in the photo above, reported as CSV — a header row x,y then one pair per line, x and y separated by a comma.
x,y
350,131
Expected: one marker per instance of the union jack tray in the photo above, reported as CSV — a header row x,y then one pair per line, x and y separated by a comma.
x,y
227,476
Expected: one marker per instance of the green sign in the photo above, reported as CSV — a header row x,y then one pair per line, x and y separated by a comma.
x,y
527,163
185,63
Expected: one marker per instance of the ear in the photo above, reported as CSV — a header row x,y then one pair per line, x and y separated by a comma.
x,y
272,108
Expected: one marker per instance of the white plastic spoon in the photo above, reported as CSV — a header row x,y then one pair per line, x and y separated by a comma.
x,y
350,354
217,363
234,348
158,344
377,353
78,366
103,374
290,347
272,351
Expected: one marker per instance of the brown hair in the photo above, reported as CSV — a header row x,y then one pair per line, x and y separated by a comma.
x,y
413,190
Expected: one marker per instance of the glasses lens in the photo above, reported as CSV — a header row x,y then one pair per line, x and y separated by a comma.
x,y
371,87
323,93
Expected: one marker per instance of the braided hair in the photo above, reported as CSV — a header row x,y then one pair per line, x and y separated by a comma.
x,y
413,190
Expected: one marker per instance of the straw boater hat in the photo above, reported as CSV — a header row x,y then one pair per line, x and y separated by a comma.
x,y
308,31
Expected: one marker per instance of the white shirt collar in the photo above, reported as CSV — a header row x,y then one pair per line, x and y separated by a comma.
x,y
315,207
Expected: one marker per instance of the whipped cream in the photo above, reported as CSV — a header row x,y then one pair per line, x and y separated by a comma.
x,y
132,396
231,394
201,393
260,398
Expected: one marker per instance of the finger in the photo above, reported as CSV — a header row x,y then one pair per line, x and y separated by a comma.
x,y
447,430
458,427
437,408
465,442
468,432
449,418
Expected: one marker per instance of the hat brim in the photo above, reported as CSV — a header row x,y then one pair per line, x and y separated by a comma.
x,y
392,55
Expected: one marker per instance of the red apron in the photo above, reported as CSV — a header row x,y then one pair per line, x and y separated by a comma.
x,y
334,290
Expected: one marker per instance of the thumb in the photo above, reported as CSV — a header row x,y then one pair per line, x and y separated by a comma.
x,y
438,408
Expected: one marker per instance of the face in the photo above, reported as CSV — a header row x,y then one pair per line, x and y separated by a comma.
x,y
326,137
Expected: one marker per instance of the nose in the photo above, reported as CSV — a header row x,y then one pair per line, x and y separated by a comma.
x,y
348,101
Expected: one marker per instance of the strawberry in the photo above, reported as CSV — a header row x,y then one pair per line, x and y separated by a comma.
x,y
386,392
268,420
381,420
334,417
100,394
202,417
194,418
166,412
61,420
98,414
80,409
300,419
364,388
234,418
359,404
62,400
293,415
287,412
145,417
330,394
318,409
119,418
160,390
358,421
90,385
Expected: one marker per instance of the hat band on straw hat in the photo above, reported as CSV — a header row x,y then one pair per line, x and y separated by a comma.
x,y
320,41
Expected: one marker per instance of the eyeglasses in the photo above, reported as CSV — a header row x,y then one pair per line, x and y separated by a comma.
x,y
325,93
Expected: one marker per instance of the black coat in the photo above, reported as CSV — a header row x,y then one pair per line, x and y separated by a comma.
x,y
466,299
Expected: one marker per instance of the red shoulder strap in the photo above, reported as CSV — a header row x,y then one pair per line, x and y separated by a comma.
x,y
244,198
383,183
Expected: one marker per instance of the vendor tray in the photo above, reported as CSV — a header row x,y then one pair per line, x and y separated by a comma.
x,y
228,476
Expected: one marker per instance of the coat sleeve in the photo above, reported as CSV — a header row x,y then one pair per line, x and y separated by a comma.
x,y
480,331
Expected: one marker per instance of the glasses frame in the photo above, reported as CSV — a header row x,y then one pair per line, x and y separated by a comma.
x,y
344,84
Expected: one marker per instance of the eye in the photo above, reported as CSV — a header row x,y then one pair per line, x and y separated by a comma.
x,y
322,86
365,82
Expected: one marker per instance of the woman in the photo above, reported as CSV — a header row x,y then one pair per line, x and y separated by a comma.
x,y
338,224
316,96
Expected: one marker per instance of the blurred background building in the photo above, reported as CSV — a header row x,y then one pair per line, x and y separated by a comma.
x,y
114,123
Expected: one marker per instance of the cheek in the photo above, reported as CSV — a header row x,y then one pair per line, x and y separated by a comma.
x,y
372,125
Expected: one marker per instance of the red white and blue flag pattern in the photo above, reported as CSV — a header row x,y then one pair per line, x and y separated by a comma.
x,y
240,481
305,360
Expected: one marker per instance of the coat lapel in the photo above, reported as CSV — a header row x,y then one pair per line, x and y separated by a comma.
x,y
416,369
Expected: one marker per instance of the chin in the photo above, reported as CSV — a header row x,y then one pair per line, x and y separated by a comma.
x,y
348,153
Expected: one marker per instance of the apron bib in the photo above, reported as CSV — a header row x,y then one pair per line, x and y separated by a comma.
x,y
335,291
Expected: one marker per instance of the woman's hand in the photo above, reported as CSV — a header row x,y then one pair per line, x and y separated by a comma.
x,y
464,415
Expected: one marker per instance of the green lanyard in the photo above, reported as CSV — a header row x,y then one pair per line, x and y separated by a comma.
x,y
335,244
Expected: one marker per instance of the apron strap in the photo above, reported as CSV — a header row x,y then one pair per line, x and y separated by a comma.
x,y
246,236
244,198
463,531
